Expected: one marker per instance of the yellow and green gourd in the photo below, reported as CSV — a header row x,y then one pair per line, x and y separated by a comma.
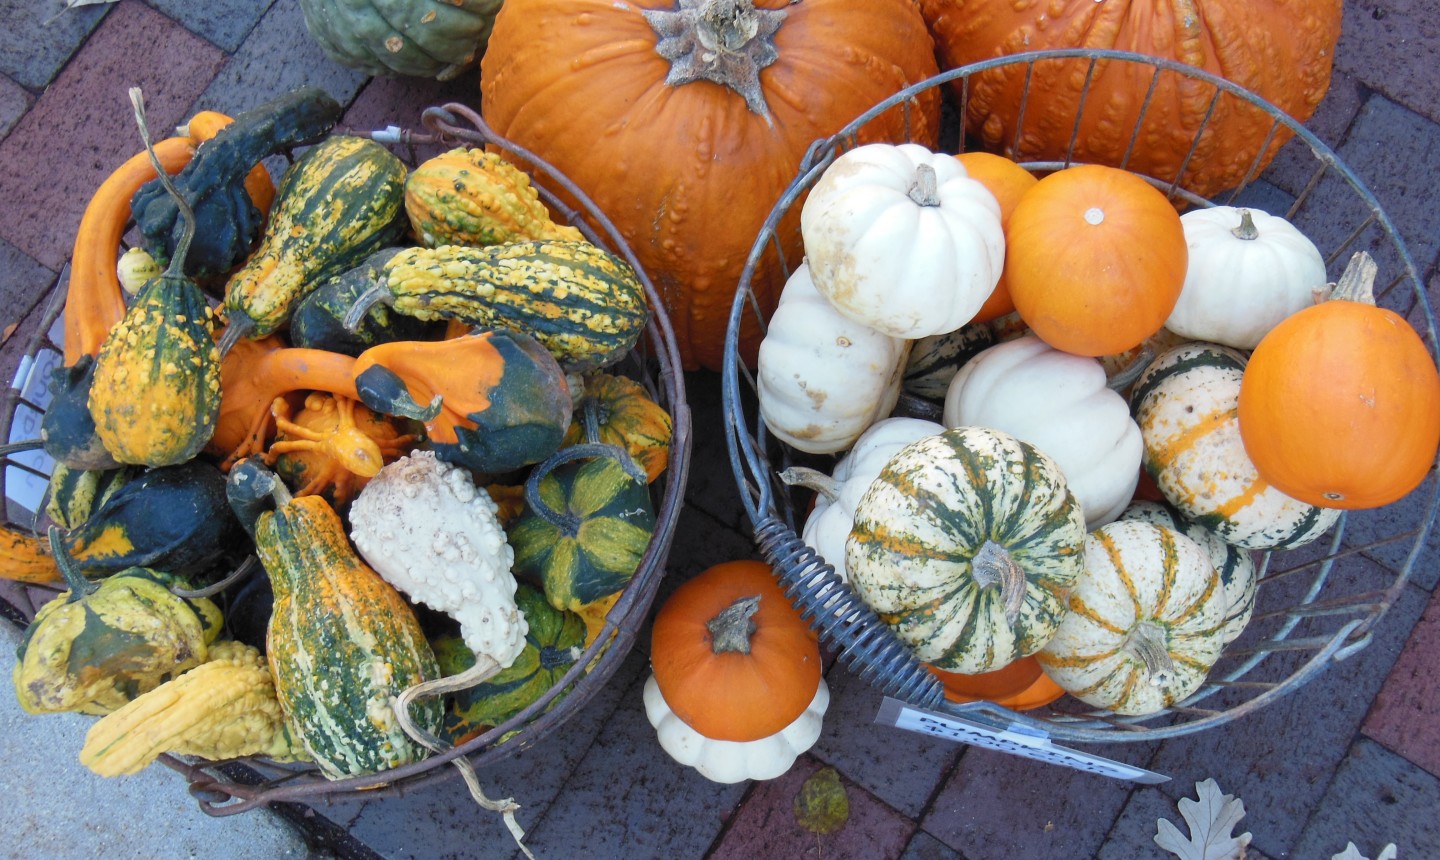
x,y
473,197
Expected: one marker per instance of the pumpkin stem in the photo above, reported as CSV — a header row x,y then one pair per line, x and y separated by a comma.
x,y
993,567
813,480
568,523
79,585
925,189
726,42
1148,642
1356,284
730,631
1246,230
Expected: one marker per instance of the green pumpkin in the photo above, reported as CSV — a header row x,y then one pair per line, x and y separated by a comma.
x,y
417,38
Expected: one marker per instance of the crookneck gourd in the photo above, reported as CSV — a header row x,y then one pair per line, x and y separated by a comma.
x,y
468,196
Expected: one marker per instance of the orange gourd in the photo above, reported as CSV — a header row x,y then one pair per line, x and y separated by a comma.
x,y
1340,403
26,557
1008,181
717,689
1281,50
613,95
1095,257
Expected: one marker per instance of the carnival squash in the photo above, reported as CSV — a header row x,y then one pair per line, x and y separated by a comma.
x,y
617,410
934,360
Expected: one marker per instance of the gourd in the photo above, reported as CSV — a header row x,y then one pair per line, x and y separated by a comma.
x,y
1234,565
495,400
642,96
737,689
1145,624
73,494
821,377
625,415
134,268
342,643
224,708
967,546
1247,271
1061,404
227,222
902,240
934,360
333,446
425,39
586,525
1282,52
1187,405
582,303
1095,258
25,557
155,395
1008,181
318,320
1340,403
339,202
468,196
97,646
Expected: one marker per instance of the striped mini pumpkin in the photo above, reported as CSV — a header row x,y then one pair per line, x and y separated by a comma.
x,y
1145,623
1186,404
967,545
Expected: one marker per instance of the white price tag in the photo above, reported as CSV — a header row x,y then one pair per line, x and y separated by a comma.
x,y
32,378
894,712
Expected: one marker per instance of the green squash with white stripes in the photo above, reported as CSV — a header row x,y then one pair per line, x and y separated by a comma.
x,y
967,546
1146,621
1187,405
934,360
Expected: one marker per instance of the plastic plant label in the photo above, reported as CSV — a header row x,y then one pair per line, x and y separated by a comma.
x,y
1025,743
32,380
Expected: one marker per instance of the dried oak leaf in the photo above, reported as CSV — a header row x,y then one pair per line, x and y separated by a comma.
x,y
1210,819
822,806
1389,852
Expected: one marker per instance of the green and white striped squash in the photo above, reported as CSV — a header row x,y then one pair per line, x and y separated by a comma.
x,y
1186,403
1234,564
1146,621
967,546
934,360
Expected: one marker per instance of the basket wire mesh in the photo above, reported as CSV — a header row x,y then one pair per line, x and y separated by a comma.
x,y
1310,610
230,787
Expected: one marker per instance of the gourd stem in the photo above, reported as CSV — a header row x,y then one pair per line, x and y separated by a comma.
x,y
238,324
730,631
568,523
590,415
925,190
281,494
1357,282
813,480
79,585
993,567
1148,642
374,294
21,447
244,570
1246,230
176,269
1126,377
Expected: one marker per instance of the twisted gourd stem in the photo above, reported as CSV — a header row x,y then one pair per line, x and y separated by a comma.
x,y
79,585
187,214
1148,642
374,294
568,523
245,569
1246,230
993,567
731,629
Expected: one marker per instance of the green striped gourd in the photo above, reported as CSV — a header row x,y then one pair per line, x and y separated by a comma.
x,y
342,643
584,305
967,546
1186,403
473,197
1146,621
935,359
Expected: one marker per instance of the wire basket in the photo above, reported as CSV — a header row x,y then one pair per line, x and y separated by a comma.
x,y
1311,608
226,788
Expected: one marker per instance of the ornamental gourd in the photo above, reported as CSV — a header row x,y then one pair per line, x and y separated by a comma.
x,y
1280,51
934,360
1145,624
685,148
619,411
1061,404
468,196
417,38
902,240
1247,271
967,546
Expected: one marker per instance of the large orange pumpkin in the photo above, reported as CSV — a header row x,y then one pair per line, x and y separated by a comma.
x,y
1095,258
1340,403
1008,181
731,670
1281,50
688,168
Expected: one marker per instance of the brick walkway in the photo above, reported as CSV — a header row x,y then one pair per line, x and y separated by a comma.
x,y
1351,756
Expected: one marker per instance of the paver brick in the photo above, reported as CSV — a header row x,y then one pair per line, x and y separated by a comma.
x,y
39,38
223,22
1405,715
24,283
1389,534
923,846
1377,798
14,101
1393,46
1296,162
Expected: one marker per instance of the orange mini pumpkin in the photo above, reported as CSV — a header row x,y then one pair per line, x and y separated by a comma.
x,y
732,657
1095,257
1340,403
1008,181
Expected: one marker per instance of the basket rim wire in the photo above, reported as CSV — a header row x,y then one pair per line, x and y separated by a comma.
x,y
223,788
862,643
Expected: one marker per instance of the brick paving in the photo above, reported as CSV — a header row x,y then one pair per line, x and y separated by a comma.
x,y
1348,757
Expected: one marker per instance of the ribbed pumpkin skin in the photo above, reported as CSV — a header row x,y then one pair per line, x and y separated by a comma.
x,y
583,304
417,38
626,416
1281,50
1187,405
922,522
342,643
615,523
1138,574
339,202
688,173
474,197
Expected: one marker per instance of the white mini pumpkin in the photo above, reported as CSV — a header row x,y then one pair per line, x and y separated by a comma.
x,y
902,239
1061,404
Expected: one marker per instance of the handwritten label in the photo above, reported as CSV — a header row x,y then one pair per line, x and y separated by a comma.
x,y
32,379
1014,741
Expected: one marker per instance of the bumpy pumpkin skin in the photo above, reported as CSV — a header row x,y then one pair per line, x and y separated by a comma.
x,y
416,38
688,173
1281,50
